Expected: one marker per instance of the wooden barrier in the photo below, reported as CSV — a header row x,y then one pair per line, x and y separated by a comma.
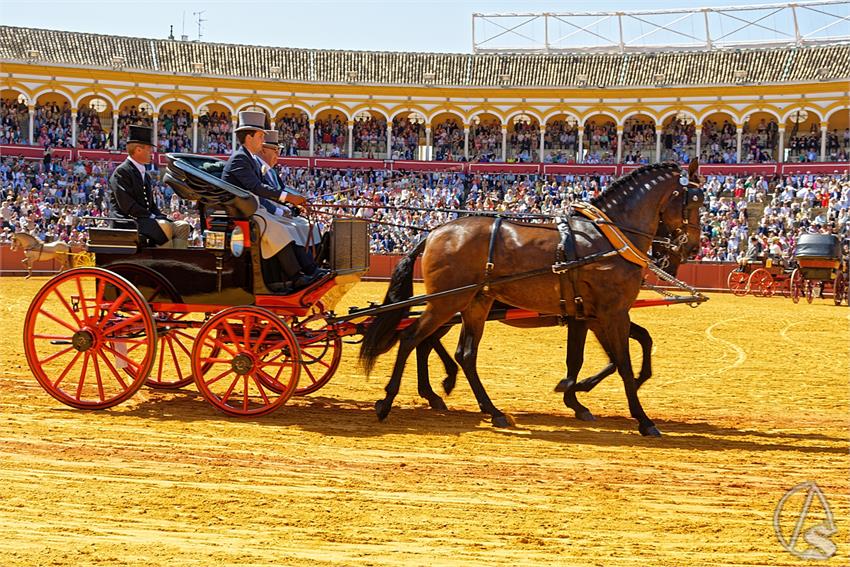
x,y
705,276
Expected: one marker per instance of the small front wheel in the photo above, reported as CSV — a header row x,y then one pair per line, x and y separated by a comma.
x,y
246,361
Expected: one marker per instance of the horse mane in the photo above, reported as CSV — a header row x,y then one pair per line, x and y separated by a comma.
x,y
626,184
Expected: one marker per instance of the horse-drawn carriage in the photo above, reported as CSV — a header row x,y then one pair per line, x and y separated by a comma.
x,y
816,266
168,317
821,268
764,277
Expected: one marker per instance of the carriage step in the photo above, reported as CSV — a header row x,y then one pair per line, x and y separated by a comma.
x,y
61,342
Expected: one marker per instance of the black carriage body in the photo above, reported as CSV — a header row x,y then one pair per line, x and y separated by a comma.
x,y
818,256
193,273
214,275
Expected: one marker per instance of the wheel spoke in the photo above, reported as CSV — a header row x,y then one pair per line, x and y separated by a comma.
x,y
82,299
113,307
230,333
174,357
159,366
246,333
97,377
219,377
310,374
218,343
182,346
82,377
55,355
58,320
67,307
67,369
278,345
260,388
114,371
122,357
52,337
263,336
122,324
229,390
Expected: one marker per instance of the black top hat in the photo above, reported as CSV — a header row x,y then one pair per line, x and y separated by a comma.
x,y
140,135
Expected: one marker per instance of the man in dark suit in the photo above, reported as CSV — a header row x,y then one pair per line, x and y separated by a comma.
x,y
131,195
244,169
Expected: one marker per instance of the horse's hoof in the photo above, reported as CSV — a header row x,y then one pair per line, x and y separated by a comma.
x,y
382,408
565,385
437,403
650,431
449,384
585,416
504,421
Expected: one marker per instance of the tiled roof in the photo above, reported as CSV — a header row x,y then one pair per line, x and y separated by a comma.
x,y
768,65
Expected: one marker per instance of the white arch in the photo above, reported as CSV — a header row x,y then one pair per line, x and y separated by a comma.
x,y
479,112
430,119
290,106
555,113
675,112
48,90
141,97
409,108
221,102
816,111
750,112
185,101
639,113
607,113
829,114
258,103
333,106
533,113
105,96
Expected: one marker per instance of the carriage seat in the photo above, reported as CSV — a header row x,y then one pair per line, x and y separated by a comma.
x,y
198,178
120,237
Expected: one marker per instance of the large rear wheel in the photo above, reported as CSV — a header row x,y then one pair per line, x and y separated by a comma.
x,y
89,338
796,285
246,361
321,352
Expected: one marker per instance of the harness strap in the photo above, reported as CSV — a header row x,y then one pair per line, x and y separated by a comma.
x,y
488,267
566,254
614,234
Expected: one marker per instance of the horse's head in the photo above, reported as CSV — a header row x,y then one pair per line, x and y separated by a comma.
x,y
679,227
16,242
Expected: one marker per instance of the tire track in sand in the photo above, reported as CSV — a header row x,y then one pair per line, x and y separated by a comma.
x,y
740,355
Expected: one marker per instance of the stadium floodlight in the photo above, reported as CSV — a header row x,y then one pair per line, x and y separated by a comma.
x,y
659,78
581,79
33,54
823,74
429,76
351,76
118,61
505,79
741,75
197,67
274,71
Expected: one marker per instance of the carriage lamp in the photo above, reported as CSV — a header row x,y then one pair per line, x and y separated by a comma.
x,y
237,241
214,239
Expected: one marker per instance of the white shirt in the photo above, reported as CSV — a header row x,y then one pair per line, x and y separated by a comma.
x,y
139,166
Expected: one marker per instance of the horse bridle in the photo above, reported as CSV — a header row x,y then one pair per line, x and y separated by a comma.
x,y
693,198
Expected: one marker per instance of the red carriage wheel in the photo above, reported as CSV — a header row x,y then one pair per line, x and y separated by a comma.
x,y
246,361
175,331
810,291
761,283
839,288
321,352
89,338
737,282
796,285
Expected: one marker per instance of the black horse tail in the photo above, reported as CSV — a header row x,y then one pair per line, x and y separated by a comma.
x,y
381,335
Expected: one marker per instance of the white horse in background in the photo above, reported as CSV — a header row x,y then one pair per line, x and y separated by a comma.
x,y
35,251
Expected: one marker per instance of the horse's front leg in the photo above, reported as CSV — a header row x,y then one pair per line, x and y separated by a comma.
x,y
614,337
411,337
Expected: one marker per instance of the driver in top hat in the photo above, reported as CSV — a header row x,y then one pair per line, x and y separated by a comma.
x,y
131,194
244,169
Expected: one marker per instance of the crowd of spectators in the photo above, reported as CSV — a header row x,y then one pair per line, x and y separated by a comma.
x,y
370,137
14,117
447,138
294,133
51,200
523,142
175,131
601,139
561,139
485,142
407,134
52,125
215,133
331,136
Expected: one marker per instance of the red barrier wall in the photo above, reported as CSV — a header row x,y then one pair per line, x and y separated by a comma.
x,y
710,276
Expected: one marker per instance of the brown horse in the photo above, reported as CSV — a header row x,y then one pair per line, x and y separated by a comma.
x,y
677,238
35,251
456,256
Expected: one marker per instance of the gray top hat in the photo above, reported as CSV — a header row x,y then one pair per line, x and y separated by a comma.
x,y
251,120
271,138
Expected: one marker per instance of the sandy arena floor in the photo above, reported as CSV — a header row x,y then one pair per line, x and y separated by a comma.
x,y
751,395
